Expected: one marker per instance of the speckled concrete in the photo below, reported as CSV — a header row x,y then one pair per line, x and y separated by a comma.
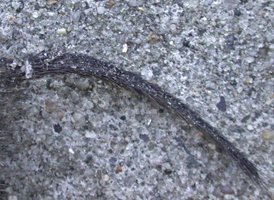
x,y
82,138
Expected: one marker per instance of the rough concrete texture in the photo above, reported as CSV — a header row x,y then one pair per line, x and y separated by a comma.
x,y
82,138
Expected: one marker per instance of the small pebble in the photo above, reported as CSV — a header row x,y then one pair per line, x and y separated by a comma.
x,y
144,137
105,178
227,190
173,27
124,50
147,73
153,37
35,14
90,134
249,59
12,198
248,79
250,127
212,146
71,151
123,117
267,134
60,115
50,106
235,93
19,21
204,20
62,31
222,104
100,10
57,128
88,104
269,102
82,84
118,169
239,90
77,116
141,9
237,12
50,2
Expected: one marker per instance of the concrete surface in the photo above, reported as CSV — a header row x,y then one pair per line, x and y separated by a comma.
x,y
82,138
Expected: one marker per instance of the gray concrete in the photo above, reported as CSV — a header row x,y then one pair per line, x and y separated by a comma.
x,y
199,51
